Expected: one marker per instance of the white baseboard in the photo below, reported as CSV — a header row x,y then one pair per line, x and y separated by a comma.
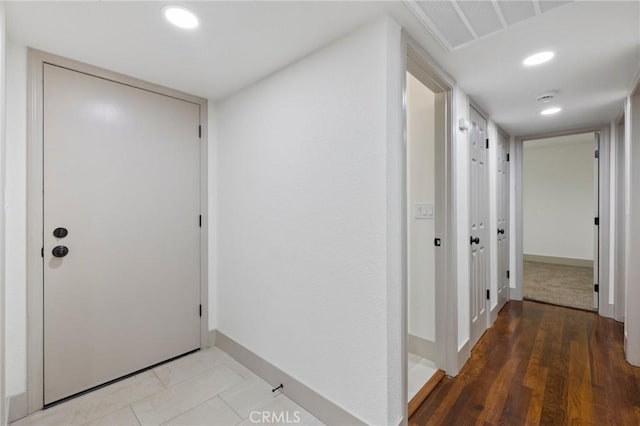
x,y
212,338
569,261
326,411
464,353
422,347
17,406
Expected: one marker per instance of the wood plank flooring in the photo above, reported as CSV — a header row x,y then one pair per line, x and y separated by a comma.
x,y
540,365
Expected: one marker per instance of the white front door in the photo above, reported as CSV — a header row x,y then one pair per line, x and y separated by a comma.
x,y
479,229
121,254
503,219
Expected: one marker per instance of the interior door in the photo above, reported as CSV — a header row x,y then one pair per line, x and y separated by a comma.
x,y
503,219
121,252
479,226
596,228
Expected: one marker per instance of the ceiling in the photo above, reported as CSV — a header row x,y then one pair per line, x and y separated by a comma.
x,y
597,45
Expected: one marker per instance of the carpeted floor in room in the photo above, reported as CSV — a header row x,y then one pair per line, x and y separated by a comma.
x,y
559,284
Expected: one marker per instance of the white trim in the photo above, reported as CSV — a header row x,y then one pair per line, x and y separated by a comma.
x,y
17,406
325,410
446,306
473,104
462,356
422,347
516,226
561,133
428,24
35,331
605,308
569,261
4,411
635,83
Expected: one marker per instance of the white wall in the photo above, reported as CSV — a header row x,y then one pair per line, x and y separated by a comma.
x,y
559,197
15,273
303,266
421,190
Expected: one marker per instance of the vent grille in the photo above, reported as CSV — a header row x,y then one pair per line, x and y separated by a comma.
x,y
458,23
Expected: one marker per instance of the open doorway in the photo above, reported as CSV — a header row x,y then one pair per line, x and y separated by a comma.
x,y
560,220
421,228
426,198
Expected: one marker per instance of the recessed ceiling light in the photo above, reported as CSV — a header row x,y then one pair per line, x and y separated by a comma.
x,y
538,58
180,17
550,111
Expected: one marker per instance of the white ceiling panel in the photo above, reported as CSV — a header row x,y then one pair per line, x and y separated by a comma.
x,y
547,5
516,11
447,20
482,16
459,23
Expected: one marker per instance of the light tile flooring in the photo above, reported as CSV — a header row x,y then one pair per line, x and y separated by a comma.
x,y
420,371
206,388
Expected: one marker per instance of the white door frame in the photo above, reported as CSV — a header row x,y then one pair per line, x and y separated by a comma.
x,y
507,228
35,283
604,308
419,62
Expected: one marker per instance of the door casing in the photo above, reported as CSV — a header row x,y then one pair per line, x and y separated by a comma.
x,y
605,306
503,197
421,65
35,290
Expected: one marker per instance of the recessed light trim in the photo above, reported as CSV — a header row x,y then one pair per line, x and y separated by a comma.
x,y
538,58
180,17
550,111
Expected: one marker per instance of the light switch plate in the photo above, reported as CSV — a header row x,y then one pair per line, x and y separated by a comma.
x,y
423,211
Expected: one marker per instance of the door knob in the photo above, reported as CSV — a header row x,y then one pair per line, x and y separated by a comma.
x,y
60,251
475,240
500,231
60,232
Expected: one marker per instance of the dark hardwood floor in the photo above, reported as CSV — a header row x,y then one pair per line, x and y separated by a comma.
x,y
540,364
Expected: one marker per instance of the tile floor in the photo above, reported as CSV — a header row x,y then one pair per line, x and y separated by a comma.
x,y
420,371
206,388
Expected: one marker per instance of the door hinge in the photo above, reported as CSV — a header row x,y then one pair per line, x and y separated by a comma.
x,y
200,310
200,221
597,154
200,131
42,252
487,141
488,294
596,288
508,156
437,242
596,221
508,274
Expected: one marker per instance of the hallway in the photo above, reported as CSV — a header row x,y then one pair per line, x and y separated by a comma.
x,y
541,364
